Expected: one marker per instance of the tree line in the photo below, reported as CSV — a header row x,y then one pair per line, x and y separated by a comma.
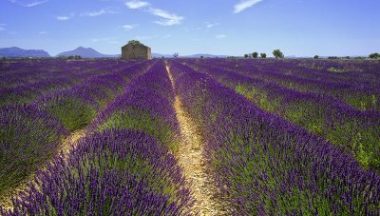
x,y
277,53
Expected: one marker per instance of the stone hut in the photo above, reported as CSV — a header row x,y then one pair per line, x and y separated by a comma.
x,y
135,50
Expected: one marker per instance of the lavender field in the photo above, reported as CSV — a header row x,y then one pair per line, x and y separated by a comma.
x,y
187,136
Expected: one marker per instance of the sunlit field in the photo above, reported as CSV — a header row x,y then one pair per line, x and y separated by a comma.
x,y
186,136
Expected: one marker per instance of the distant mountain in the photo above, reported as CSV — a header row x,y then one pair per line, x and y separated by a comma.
x,y
18,52
86,53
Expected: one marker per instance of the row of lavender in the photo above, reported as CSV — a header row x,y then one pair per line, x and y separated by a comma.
x,y
32,133
354,131
124,167
353,88
349,72
23,72
352,73
268,166
23,81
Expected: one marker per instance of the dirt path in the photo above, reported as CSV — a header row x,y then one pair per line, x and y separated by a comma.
x,y
191,160
72,140
64,147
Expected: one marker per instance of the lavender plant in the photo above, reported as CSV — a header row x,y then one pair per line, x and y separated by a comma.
x,y
116,172
354,131
361,92
76,107
28,137
146,105
268,166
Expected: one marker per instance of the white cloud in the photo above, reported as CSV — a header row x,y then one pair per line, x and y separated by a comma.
x,y
168,19
36,3
245,4
98,13
211,25
128,27
137,4
64,18
220,36
28,4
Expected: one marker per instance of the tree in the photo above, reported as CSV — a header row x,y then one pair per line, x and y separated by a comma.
x,y
134,42
316,57
263,55
374,55
255,55
246,55
75,57
333,57
278,54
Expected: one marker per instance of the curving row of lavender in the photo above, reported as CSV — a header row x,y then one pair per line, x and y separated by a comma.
x,y
268,166
23,81
352,87
352,73
28,137
77,106
354,131
124,167
30,134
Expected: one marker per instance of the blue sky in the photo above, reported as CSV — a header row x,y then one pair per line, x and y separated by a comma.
x,y
233,27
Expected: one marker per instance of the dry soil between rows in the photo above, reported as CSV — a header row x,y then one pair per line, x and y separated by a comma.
x,y
191,159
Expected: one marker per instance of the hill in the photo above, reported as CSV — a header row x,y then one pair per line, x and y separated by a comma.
x,y
85,53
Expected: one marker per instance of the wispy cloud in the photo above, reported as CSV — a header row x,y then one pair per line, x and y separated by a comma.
x,y
128,27
167,18
28,4
245,4
211,25
65,18
33,4
136,4
220,36
97,13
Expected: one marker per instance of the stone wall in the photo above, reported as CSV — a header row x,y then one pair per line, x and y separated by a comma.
x,y
136,52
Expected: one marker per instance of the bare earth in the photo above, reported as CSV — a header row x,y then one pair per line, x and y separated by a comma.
x,y
191,160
